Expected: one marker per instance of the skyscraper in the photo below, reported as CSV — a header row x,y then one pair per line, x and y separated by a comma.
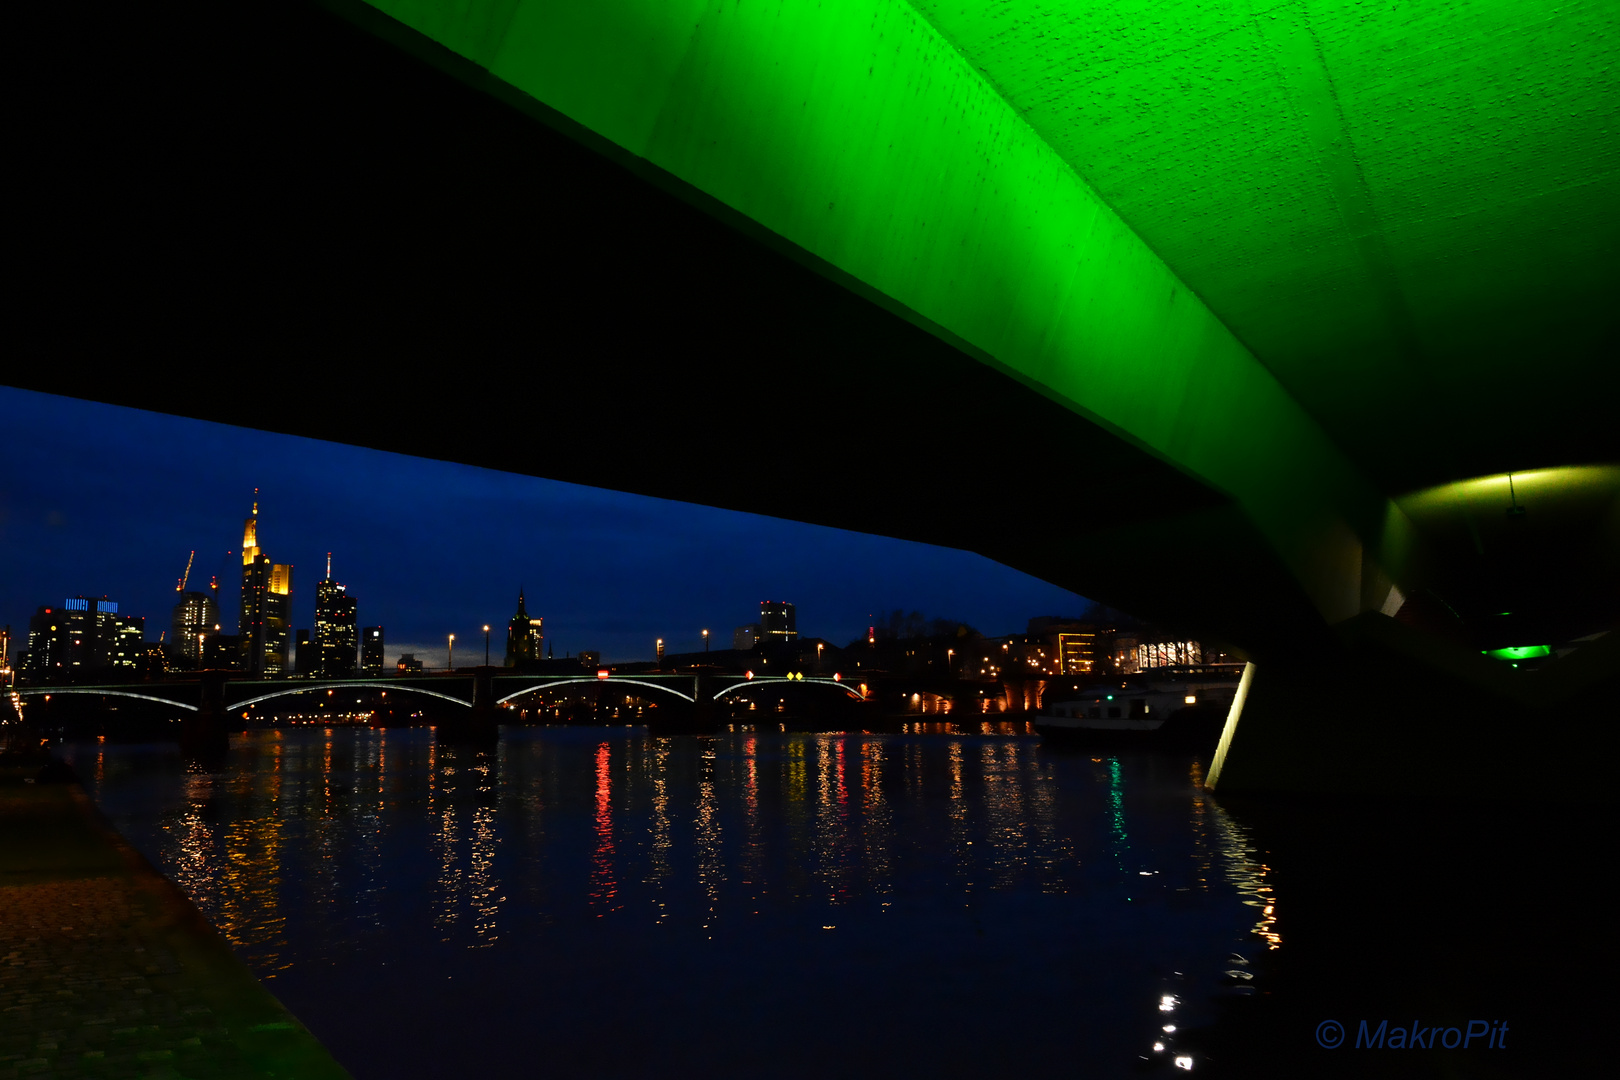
x,y
193,619
371,651
127,647
83,635
336,634
266,614
776,621
525,639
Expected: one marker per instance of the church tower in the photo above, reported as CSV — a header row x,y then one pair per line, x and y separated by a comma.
x,y
524,637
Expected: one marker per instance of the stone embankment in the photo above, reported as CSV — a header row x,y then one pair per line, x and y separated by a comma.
x,y
108,970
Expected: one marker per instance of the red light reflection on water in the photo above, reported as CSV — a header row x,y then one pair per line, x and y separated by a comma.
x,y
603,887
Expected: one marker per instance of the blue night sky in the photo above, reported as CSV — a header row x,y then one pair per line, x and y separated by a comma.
x,y
100,500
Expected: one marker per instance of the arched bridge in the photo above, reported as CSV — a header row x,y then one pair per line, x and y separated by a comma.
x,y
460,689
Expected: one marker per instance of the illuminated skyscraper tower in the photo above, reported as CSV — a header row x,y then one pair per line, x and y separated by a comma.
x,y
336,632
266,615
525,640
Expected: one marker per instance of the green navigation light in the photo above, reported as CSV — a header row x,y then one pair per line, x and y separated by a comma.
x,y
1518,652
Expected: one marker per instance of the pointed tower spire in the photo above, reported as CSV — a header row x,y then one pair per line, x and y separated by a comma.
x,y
328,566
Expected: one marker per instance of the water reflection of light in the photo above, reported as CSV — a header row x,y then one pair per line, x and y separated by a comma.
x,y
195,863
795,815
832,832
250,883
957,813
444,841
753,853
483,888
710,866
1248,874
603,886
877,825
658,870
368,831
1010,854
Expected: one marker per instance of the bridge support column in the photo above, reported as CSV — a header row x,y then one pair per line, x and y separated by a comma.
x,y
480,725
204,732
702,702
694,719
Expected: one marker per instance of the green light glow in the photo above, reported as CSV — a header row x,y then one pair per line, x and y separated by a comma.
x,y
857,132
1060,187
1519,652
1384,201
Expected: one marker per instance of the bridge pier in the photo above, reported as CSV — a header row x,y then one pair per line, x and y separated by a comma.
x,y
695,719
702,702
480,725
204,733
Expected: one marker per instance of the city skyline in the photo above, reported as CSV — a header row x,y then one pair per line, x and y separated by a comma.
x,y
94,498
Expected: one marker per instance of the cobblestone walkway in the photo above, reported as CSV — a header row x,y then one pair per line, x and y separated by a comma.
x,y
98,997
108,971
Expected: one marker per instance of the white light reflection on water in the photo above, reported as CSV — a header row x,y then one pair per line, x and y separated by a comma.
x,y
707,839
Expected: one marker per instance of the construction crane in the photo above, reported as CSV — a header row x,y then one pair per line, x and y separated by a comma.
x,y
180,588
214,582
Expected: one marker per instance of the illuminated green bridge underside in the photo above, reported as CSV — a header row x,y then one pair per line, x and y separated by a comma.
x,y
1254,240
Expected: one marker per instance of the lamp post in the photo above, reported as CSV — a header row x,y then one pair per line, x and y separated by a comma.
x,y
660,654
819,646
450,655
705,641
486,645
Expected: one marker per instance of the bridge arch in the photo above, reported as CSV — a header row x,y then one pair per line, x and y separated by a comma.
x,y
596,681
745,683
334,686
47,691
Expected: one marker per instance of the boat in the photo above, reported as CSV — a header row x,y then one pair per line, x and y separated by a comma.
x,y
1174,713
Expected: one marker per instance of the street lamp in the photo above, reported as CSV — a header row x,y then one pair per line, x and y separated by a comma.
x,y
486,645
705,641
450,655
660,653
819,646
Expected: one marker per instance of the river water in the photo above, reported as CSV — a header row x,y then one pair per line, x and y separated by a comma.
x,y
596,901
599,902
